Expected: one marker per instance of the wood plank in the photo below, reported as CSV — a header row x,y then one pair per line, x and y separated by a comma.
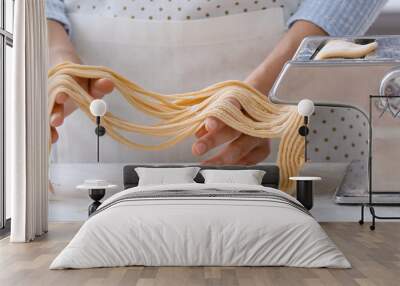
x,y
375,257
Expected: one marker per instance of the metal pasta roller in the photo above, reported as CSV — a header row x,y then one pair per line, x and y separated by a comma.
x,y
338,81
340,127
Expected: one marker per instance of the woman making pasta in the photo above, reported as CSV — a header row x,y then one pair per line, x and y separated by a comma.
x,y
178,46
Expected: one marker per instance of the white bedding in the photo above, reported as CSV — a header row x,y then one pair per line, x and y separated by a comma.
x,y
188,231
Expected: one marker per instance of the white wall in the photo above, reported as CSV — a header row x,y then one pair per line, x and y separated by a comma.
x,y
388,22
392,6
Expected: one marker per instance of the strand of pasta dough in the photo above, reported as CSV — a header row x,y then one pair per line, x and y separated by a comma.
x,y
181,115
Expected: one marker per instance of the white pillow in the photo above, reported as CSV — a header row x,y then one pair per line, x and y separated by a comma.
x,y
248,177
166,176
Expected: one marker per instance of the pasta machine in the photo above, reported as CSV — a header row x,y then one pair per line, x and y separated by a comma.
x,y
348,83
336,81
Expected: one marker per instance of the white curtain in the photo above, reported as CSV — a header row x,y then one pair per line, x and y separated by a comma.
x,y
27,124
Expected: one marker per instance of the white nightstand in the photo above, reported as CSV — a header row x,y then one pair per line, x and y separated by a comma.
x,y
304,190
97,190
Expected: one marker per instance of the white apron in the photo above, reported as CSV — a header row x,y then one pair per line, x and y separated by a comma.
x,y
170,56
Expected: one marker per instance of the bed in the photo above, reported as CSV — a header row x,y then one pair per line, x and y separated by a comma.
x,y
198,224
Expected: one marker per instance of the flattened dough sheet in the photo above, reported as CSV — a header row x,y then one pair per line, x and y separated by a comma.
x,y
345,49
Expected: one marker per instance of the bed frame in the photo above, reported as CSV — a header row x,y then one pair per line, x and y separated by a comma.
x,y
270,179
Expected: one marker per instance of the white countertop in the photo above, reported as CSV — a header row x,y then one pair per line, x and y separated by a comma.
x,y
305,178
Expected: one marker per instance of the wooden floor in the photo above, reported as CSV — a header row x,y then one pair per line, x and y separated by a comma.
x,y
375,257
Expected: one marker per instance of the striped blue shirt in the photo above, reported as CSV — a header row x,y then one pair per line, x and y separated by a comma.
x,y
335,17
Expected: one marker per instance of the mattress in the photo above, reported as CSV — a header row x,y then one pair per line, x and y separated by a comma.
x,y
201,225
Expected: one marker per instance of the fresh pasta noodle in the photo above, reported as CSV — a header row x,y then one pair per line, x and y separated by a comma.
x,y
181,115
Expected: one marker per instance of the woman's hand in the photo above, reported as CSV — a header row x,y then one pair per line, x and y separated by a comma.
x,y
64,105
240,149
61,50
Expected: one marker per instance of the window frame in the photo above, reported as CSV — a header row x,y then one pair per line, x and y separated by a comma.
x,y
6,39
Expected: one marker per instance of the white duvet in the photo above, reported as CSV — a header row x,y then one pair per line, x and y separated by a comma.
x,y
200,231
